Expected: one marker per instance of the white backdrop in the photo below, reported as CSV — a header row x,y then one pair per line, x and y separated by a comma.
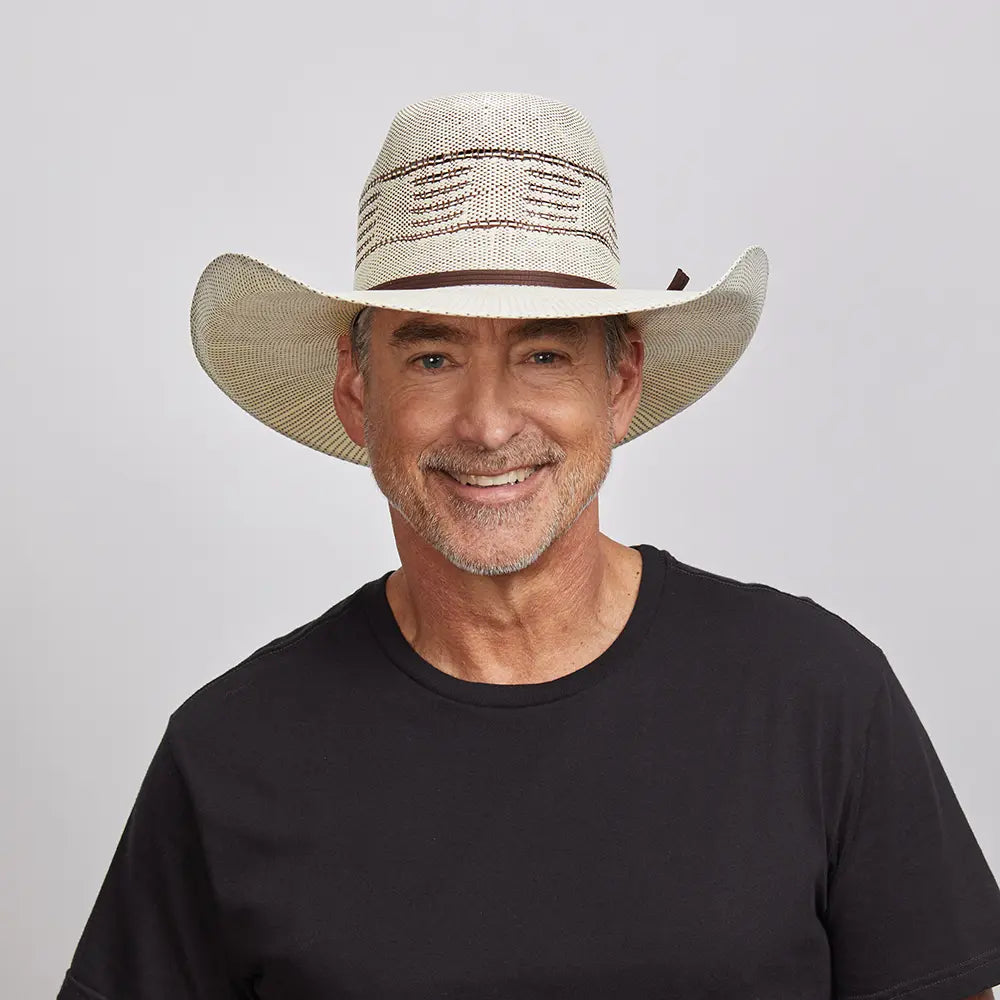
x,y
155,534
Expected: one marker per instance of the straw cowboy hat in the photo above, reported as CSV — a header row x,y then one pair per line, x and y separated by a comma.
x,y
483,204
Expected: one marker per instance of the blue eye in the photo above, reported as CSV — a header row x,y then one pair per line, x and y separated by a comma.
x,y
435,362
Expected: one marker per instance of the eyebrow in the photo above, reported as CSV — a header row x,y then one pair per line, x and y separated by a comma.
x,y
420,331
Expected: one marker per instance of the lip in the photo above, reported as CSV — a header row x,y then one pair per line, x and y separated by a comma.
x,y
497,494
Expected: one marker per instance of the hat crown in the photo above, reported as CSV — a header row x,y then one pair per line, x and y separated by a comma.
x,y
487,181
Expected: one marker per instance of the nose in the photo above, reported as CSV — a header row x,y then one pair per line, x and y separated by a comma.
x,y
489,409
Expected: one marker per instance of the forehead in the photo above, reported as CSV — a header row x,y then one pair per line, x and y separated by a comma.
x,y
402,328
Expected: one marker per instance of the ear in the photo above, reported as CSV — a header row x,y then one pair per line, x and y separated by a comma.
x,y
349,393
626,385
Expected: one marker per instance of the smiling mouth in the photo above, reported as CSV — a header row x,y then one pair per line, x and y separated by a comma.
x,y
504,479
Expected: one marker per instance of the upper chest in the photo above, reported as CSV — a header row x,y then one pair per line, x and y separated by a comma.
x,y
585,854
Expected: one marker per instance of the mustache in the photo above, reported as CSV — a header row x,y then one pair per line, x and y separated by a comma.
x,y
488,463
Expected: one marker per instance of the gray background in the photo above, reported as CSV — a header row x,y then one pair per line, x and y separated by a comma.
x,y
155,534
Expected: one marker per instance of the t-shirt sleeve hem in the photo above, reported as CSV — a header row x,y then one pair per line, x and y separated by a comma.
x,y
956,982
73,989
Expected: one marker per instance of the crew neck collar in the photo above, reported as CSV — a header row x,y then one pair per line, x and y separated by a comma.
x,y
387,632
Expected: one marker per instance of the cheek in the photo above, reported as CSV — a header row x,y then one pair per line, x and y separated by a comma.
x,y
576,415
411,420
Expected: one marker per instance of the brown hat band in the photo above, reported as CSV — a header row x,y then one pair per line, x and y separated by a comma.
x,y
497,277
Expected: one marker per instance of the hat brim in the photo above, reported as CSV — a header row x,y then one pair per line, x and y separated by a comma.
x,y
270,342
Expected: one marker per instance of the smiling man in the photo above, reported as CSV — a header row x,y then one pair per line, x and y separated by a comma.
x,y
531,761
490,439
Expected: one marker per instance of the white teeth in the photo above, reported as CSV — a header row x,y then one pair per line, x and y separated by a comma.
x,y
514,476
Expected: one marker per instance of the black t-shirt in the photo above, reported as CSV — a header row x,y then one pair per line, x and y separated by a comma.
x,y
736,799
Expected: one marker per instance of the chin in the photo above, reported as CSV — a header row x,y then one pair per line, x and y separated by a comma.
x,y
493,558
482,564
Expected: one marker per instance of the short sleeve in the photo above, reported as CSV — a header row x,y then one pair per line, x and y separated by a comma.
x,y
154,931
913,907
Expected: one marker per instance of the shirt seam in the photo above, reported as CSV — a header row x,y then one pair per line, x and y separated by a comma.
x,y
89,990
230,964
341,608
860,756
278,645
756,585
922,982
859,771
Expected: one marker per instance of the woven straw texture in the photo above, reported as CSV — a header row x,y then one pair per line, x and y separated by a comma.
x,y
472,181
487,180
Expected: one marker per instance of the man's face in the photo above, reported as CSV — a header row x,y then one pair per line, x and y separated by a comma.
x,y
447,398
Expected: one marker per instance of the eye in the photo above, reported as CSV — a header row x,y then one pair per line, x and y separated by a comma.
x,y
547,355
434,359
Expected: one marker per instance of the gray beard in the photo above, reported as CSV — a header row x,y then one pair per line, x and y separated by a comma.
x,y
402,498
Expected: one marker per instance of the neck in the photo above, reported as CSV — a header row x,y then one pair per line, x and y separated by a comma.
x,y
520,628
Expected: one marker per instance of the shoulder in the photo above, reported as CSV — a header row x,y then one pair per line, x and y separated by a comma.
x,y
287,671
749,622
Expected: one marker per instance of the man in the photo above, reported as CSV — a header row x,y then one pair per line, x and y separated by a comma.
x,y
532,761
501,583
